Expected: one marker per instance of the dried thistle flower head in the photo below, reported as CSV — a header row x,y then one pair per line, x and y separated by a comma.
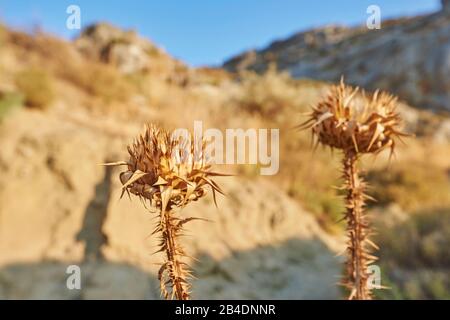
x,y
167,169
350,120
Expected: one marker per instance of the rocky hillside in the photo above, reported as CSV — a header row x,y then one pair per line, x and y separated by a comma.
x,y
60,207
408,56
69,213
66,107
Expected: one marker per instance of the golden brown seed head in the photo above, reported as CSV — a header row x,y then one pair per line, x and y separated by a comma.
x,y
167,169
350,120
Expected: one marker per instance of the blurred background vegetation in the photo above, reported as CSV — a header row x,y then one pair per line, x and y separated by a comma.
x,y
45,76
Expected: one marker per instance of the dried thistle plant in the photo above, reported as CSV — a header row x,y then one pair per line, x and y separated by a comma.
x,y
168,171
350,120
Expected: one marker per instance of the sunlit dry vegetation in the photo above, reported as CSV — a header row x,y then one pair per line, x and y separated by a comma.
x,y
416,179
37,87
415,256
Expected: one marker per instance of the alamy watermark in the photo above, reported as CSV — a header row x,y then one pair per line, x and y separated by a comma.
x,y
73,281
236,146
374,279
73,21
374,20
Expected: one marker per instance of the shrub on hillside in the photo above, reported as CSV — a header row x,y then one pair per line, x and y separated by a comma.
x,y
36,86
101,81
8,102
415,257
411,185
274,92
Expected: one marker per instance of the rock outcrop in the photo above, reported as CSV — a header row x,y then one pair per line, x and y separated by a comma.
x,y
445,4
126,50
410,57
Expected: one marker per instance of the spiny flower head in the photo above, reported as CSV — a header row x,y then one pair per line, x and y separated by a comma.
x,y
348,119
166,168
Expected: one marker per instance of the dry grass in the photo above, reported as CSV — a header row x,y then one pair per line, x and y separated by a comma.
x,y
2,35
8,102
415,258
413,185
37,87
62,62
104,82
272,94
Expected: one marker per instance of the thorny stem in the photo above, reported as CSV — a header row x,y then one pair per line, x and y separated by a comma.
x,y
173,252
357,228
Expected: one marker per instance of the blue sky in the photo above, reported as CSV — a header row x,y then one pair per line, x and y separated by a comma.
x,y
205,32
